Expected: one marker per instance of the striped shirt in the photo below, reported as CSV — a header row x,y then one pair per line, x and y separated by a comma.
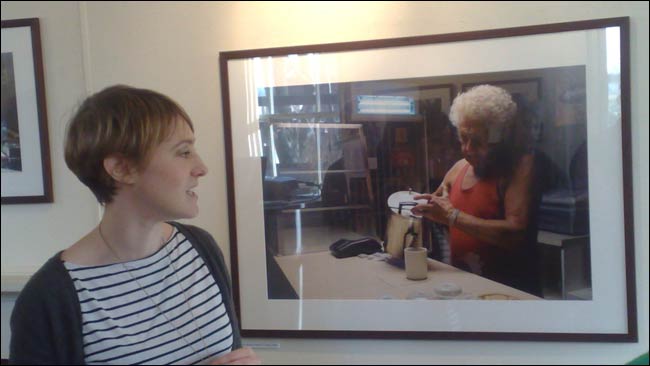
x,y
162,309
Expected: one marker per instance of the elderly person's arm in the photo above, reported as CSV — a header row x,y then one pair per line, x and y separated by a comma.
x,y
505,233
444,187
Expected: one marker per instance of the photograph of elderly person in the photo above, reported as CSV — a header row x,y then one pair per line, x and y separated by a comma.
x,y
487,197
138,288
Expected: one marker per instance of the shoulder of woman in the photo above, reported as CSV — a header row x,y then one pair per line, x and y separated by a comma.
x,y
523,172
196,231
458,166
199,237
526,163
47,284
90,250
527,158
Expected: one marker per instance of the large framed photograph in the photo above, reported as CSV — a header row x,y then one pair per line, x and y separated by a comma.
x,y
26,176
327,145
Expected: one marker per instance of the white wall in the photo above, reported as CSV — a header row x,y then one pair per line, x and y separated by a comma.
x,y
33,233
173,48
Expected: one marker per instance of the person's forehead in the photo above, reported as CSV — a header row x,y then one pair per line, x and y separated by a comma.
x,y
183,128
182,131
471,127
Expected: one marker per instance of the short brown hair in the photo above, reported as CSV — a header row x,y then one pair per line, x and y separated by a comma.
x,y
117,120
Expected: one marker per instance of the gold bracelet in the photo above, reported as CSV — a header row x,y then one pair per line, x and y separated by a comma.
x,y
453,216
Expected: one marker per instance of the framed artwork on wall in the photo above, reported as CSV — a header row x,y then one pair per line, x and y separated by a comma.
x,y
26,175
302,172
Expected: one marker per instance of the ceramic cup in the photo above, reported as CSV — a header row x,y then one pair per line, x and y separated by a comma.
x,y
415,261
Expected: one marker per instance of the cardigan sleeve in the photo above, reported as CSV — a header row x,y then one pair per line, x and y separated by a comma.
x,y
46,320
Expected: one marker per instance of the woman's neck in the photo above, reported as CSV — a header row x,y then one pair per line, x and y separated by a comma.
x,y
129,236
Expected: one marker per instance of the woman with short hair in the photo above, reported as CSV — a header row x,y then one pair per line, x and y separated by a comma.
x,y
139,288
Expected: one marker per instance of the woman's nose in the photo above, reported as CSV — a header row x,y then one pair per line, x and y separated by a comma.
x,y
200,169
467,146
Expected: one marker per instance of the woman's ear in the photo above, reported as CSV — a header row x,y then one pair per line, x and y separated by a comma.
x,y
121,169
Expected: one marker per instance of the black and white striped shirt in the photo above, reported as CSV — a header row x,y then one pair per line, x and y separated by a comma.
x,y
126,316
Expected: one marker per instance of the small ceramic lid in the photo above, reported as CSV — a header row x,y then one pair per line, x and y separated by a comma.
x,y
406,199
448,290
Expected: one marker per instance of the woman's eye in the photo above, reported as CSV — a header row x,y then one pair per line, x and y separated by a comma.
x,y
186,153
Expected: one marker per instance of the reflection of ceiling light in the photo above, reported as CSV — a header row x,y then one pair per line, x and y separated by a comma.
x,y
385,104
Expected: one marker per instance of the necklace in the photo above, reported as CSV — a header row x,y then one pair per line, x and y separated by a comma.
x,y
174,270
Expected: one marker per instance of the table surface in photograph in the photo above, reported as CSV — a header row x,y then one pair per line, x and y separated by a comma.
x,y
322,276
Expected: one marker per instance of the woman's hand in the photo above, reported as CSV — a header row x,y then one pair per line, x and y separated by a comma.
x,y
425,196
240,356
442,191
438,209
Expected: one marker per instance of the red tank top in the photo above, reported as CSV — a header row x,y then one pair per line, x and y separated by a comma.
x,y
480,200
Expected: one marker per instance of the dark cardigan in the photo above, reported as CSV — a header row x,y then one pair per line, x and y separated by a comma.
x,y
46,320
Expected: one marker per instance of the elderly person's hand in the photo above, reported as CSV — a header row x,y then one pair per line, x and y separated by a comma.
x,y
438,209
241,356
442,191
425,196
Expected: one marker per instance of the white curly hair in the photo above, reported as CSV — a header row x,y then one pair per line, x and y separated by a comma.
x,y
485,103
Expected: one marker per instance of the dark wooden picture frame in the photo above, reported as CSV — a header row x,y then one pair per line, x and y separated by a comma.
x,y
26,173
263,316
